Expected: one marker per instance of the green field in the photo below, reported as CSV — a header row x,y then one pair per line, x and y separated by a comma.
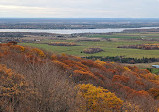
x,y
110,48
128,35
116,36
154,70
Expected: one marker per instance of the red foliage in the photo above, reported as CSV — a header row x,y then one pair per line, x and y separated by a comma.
x,y
100,75
118,78
128,90
89,63
142,93
13,42
139,83
32,59
154,92
63,65
85,74
110,75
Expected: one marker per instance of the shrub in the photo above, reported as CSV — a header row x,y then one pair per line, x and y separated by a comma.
x,y
93,50
62,44
99,99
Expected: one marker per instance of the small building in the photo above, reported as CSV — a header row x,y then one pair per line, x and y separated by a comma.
x,y
155,66
37,40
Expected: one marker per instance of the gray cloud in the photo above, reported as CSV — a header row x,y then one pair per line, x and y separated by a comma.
x,y
79,8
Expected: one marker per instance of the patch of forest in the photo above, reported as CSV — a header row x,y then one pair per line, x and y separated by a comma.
x,y
62,44
122,59
92,50
35,80
142,46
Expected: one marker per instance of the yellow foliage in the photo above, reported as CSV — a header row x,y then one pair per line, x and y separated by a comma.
x,y
63,54
38,51
127,69
100,62
61,64
130,107
18,47
13,89
11,83
62,44
99,99
112,62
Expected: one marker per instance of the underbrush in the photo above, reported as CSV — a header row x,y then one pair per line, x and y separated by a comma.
x,y
34,80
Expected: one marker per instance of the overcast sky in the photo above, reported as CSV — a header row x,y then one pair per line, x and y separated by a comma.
x,y
79,8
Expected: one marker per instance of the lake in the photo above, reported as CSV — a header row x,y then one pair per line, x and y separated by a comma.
x,y
71,31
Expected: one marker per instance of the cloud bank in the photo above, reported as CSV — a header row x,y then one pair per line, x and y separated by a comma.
x,y
79,8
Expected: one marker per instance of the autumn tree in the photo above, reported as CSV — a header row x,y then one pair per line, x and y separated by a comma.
x,y
99,99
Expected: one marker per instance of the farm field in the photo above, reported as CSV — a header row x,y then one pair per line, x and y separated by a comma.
x,y
142,65
109,47
145,35
80,72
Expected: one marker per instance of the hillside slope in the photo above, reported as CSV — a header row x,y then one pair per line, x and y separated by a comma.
x,y
34,80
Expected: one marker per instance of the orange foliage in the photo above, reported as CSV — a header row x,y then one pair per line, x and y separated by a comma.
x,y
117,78
139,83
99,75
17,48
13,90
87,74
128,90
143,93
38,52
154,92
62,44
61,64
100,62
32,59
54,57
99,99
110,75
11,82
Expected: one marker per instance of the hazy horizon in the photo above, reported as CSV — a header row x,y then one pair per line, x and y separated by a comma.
x,y
79,9
72,18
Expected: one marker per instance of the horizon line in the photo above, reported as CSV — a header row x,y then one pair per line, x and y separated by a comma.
x,y
68,18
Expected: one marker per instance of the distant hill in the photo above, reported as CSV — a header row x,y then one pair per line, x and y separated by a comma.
x,y
77,23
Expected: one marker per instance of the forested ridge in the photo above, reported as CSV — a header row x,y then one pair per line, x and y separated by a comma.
x,y
32,80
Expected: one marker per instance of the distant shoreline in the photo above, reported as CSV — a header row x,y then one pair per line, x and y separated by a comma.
x,y
73,31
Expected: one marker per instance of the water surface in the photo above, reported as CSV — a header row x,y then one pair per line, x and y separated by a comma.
x,y
71,31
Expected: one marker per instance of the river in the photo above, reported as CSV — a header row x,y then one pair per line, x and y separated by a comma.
x,y
71,31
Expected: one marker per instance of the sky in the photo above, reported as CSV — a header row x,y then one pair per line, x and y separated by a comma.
x,y
79,8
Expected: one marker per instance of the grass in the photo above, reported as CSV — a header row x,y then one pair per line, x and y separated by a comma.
x,y
114,36
110,48
127,35
142,65
155,70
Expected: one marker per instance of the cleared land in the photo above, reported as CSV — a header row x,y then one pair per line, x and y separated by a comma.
x,y
145,35
109,47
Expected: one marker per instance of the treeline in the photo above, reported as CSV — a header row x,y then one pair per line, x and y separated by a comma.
x,y
142,46
23,34
62,44
121,59
92,50
72,25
